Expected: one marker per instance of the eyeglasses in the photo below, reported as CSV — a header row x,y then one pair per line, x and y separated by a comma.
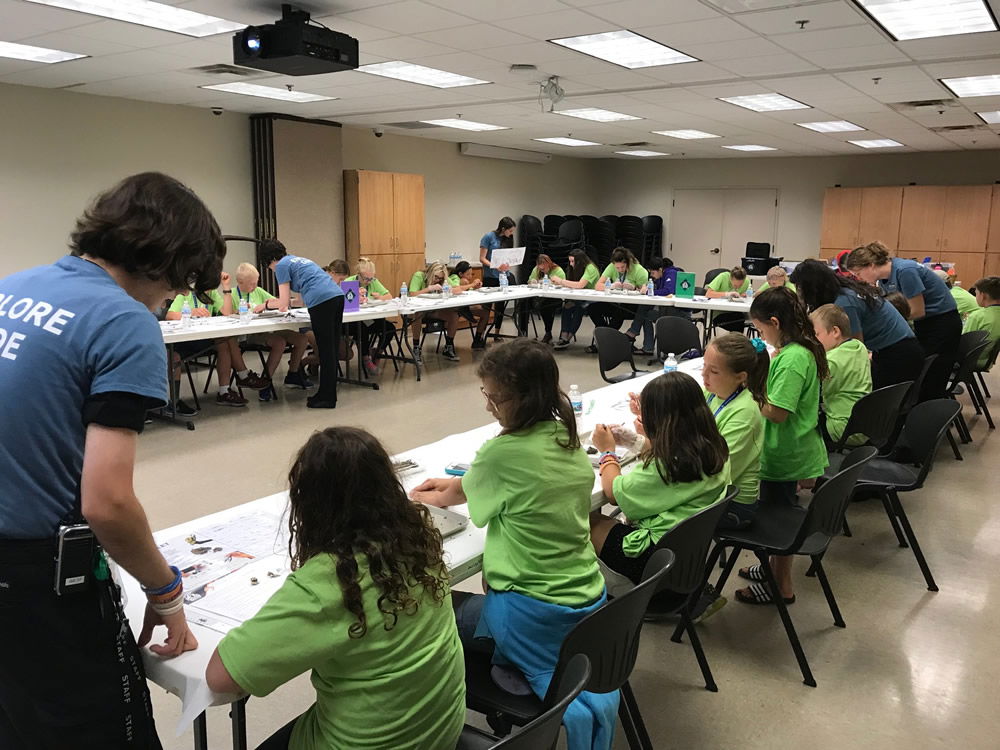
x,y
367,279
491,398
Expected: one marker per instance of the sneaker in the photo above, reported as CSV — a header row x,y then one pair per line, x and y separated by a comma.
x,y
314,403
417,354
230,398
547,338
253,381
479,343
449,353
561,344
183,410
591,349
297,379
267,394
707,605
370,367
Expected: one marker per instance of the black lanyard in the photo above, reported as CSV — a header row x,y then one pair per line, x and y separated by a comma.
x,y
725,403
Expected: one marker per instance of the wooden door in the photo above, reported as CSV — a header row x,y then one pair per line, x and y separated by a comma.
x,y
880,214
841,217
990,268
993,239
968,266
966,219
921,221
374,214
408,203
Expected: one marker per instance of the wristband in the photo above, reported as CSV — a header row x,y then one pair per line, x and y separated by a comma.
x,y
605,454
169,587
168,609
227,291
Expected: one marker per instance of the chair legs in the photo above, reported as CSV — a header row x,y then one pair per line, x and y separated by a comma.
x,y
893,521
631,718
699,652
904,522
954,445
817,566
786,620
982,382
977,398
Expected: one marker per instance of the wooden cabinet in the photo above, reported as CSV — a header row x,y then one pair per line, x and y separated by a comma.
x,y
384,220
921,221
966,219
841,216
880,215
990,268
993,236
856,216
968,266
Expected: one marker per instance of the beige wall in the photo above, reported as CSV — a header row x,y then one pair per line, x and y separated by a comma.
x,y
58,149
647,187
465,196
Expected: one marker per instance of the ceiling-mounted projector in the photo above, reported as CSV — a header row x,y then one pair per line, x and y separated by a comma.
x,y
294,47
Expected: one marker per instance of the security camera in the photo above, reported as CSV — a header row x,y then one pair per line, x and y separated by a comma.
x,y
217,111
378,132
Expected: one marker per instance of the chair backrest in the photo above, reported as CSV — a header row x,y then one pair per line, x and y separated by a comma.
x,y
924,430
712,274
613,348
689,541
992,360
675,335
968,358
610,218
571,230
551,224
825,515
971,339
543,732
609,636
918,383
758,250
530,227
875,415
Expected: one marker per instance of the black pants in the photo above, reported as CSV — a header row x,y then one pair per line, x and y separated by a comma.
x,y
326,319
939,335
381,328
498,307
280,739
71,676
897,363
608,314
732,322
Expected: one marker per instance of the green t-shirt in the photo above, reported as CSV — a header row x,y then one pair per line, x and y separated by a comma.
x,y
635,275
374,286
398,688
742,426
850,380
534,495
257,297
455,280
214,307
965,301
794,448
555,273
985,319
724,283
765,286
591,274
418,281
655,507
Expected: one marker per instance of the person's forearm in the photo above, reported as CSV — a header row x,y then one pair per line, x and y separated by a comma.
x,y
227,302
122,529
171,315
773,413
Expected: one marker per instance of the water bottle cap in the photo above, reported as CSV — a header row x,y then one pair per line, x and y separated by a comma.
x,y
573,387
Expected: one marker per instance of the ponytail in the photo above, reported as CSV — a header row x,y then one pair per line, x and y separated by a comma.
x,y
793,321
749,356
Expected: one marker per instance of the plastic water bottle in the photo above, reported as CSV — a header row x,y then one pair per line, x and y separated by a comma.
x,y
446,289
576,400
649,289
670,365
546,283
185,315
404,294
455,258
750,292
244,311
608,286
504,282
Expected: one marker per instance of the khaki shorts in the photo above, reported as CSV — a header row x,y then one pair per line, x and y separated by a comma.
x,y
260,339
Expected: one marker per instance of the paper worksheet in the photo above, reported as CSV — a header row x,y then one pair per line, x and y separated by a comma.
x,y
512,256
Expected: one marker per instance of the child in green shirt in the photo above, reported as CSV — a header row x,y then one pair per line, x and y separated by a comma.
x,y
964,301
546,267
850,371
582,274
987,317
776,277
625,273
372,289
429,281
387,640
794,453
731,284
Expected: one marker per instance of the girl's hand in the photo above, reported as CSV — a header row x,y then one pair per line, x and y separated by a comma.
x,y
639,429
200,312
434,288
633,404
556,281
503,267
225,280
628,287
363,294
260,308
602,439
477,283
439,492
623,435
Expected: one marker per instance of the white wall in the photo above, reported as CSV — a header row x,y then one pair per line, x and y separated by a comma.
x,y
58,149
465,196
646,187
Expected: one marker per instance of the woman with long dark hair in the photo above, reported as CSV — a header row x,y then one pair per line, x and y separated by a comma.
x,y
896,354
491,273
581,274
367,608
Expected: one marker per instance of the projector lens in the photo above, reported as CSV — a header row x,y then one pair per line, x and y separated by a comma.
x,y
253,43
251,40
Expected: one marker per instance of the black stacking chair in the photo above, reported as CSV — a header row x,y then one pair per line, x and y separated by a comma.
x,y
610,218
970,350
981,370
652,229
675,335
629,234
614,348
874,416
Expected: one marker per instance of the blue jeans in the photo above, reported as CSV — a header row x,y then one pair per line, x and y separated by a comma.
x,y
572,317
645,317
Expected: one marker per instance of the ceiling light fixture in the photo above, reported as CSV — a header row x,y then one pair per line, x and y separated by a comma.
x,y
686,134
625,48
597,115
764,102
973,85
268,92
922,19
991,118
750,147
567,141
36,54
404,71
830,126
877,143
148,13
640,152
461,124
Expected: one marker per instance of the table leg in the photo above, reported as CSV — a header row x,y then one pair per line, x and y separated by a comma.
x,y
347,367
200,732
238,715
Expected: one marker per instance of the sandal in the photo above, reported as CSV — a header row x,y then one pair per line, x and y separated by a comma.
x,y
754,573
759,595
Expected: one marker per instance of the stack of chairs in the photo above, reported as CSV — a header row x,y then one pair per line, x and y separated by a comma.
x,y
652,228
629,234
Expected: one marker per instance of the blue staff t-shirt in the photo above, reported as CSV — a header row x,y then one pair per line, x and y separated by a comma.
x,y
912,278
491,242
312,283
67,332
880,327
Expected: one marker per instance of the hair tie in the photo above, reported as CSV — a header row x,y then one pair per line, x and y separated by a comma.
x,y
759,345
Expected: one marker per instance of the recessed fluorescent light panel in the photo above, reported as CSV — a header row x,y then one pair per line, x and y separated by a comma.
x,y
687,135
464,124
640,152
625,48
877,143
404,71
597,115
974,85
765,102
991,118
831,126
920,19
566,141
268,92
36,54
147,13
750,147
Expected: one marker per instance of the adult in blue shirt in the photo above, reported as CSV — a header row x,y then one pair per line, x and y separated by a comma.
x,y
71,673
896,354
325,300
932,308
491,274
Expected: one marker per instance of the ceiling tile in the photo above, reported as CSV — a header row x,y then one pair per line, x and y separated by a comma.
x,y
531,53
853,56
767,65
695,32
70,42
406,48
129,34
629,13
714,51
498,10
808,41
474,37
21,20
556,25
821,16
360,31
963,45
411,17
685,73
621,79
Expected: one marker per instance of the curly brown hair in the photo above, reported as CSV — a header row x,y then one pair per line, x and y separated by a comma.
x,y
346,501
